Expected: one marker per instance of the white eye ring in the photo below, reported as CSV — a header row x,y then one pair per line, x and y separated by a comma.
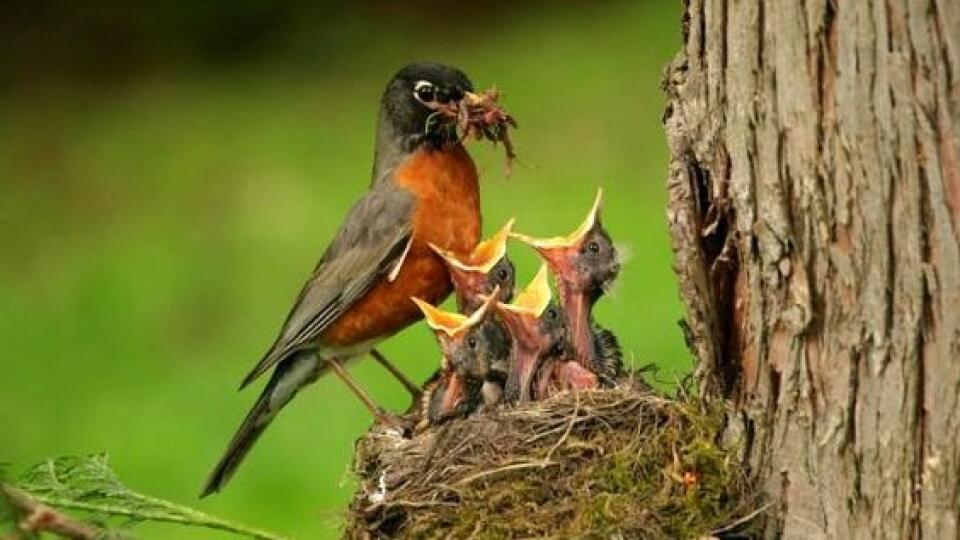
x,y
420,86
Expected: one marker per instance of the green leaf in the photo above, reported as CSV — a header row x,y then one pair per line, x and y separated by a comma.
x,y
87,485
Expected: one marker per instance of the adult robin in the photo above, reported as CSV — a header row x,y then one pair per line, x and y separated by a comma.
x,y
585,264
486,267
424,191
476,352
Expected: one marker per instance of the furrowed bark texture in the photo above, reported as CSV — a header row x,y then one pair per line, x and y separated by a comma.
x,y
814,205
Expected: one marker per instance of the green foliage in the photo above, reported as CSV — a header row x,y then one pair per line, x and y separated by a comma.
x,y
88,487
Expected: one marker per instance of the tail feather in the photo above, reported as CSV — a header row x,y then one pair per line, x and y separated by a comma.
x,y
262,366
290,376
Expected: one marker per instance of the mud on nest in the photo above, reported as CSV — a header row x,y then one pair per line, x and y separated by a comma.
x,y
620,462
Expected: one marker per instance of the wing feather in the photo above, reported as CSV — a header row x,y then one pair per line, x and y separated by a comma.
x,y
369,245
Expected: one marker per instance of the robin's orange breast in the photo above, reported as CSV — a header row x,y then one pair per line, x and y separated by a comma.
x,y
447,214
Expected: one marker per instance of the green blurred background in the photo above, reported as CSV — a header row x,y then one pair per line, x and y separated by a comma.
x,y
169,175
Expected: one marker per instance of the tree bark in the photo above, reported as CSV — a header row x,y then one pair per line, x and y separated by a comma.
x,y
814,205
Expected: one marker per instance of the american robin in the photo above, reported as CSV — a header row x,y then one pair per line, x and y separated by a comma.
x,y
424,191
476,352
483,269
537,330
585,264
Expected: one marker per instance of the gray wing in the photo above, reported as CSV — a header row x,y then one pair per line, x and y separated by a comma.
x,y
370,243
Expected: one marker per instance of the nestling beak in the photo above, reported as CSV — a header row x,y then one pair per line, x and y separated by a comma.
x,y
485,255
469,273
450,327
526,350
522,319
560,251
451,324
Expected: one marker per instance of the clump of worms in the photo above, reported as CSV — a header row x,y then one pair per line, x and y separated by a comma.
x,y
482,117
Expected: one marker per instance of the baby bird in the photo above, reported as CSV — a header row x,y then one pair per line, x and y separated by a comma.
x,y
485,268
585,264
558,370
474,277
476,351
538,333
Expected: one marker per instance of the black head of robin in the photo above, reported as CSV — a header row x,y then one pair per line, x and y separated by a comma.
x,y
485,268
585,264
415,96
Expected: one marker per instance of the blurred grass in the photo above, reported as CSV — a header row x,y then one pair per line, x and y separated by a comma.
x,y
154,235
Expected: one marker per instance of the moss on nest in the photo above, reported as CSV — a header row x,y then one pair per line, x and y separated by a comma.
x,y
622,462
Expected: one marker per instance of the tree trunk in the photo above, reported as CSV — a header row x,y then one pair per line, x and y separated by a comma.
x,y
814,206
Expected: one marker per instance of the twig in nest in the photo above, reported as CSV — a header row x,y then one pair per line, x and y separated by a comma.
x,y
745,519
507,468
563,439
37,517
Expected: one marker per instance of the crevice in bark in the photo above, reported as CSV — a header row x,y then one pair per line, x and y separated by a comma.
x,y
723,42
919,440
719,257
927,321
760,29
700,185
779,522
826,63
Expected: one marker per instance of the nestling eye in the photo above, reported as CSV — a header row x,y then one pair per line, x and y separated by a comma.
x,y
552,314
594,247
472,342
425,92
502,274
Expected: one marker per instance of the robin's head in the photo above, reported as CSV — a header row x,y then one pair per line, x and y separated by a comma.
x,y
585,261
474,346
413,99
483,270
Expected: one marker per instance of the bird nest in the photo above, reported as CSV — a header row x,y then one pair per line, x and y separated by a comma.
x,y
621,462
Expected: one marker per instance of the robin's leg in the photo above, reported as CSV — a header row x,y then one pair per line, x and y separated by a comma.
x,y
414,390
378,412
